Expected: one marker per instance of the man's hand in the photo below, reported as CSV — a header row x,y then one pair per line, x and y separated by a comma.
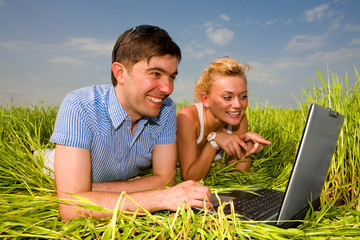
x,y
73,175
191,192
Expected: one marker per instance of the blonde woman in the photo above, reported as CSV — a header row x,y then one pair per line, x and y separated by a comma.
x,y
217,122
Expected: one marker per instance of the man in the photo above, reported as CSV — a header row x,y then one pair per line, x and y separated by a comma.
x,y
105,135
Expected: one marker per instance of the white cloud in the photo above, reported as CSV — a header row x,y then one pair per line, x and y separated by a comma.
x,y
225,17
20,46
300,43
271,21
220,36
75,51
316,13
255,22
286,22
35,79
338,56
68,60
323,12
92,46
352,28
274,72
336,23
355,41
196,50
183,89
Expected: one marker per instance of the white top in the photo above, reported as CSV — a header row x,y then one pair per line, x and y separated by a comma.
x,y
200,108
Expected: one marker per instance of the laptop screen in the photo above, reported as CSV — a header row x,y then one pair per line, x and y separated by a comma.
x,y
312,160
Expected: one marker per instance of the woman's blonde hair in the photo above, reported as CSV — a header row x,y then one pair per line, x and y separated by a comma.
x,y
225,66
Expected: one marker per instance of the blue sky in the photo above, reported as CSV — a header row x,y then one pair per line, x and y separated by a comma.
x,y
48,47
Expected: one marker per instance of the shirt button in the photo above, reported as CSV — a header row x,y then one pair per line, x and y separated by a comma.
x,y
129,162
128,128
126,118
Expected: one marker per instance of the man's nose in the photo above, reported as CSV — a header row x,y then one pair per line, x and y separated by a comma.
x,y
167,85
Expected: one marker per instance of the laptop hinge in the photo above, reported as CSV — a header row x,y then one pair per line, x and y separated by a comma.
x,y
333,113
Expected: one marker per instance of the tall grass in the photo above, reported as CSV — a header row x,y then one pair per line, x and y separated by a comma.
x,y
344,179
29,206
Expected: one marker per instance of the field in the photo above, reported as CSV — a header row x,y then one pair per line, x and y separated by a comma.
x,y
29,208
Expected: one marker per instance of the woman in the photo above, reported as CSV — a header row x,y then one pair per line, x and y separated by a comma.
x,y
217,122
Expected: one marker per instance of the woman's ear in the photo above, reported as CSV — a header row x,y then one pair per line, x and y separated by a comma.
x,y
204,99
118,70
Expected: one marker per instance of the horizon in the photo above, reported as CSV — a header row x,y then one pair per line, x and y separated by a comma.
x,y
49,48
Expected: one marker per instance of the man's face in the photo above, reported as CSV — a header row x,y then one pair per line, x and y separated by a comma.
x,y
147,86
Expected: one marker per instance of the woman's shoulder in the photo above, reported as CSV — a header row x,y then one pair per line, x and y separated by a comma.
x,y
188,116
189,111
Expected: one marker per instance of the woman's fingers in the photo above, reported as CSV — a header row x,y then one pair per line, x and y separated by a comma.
x,y
234,145
256,148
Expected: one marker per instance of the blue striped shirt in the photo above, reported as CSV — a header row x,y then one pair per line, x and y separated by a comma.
x,y
92,118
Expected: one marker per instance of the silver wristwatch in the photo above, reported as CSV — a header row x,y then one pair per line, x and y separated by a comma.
x,y
211,138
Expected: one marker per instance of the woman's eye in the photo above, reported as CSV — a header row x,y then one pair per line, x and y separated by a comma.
x,y
243,97
227,97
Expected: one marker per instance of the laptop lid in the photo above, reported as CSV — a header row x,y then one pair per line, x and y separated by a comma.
x,y
312,160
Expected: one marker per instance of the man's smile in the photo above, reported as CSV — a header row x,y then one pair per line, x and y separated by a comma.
x,y
155,99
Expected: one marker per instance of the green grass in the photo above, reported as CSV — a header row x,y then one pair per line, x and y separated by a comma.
x,y
27,194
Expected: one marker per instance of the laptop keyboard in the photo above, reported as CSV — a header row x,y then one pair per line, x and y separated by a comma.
x,y
258,207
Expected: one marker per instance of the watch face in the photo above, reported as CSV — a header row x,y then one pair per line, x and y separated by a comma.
x,y
211,136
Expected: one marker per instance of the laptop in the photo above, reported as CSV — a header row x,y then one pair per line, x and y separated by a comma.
x,y
312,161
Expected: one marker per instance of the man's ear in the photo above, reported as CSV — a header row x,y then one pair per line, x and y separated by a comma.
x,y
118,70
204,99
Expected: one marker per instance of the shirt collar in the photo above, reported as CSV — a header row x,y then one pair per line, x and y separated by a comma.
x,y
118,114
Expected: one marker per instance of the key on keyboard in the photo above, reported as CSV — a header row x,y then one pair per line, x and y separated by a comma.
x,y
255,207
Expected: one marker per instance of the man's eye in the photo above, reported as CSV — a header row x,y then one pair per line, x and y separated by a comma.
x,y
173,77
244,96
155,74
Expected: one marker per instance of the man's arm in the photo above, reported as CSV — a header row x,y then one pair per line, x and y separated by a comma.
x,y
164,172
73,175
72,169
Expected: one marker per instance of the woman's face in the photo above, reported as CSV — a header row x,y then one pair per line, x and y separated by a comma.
x,y
227,98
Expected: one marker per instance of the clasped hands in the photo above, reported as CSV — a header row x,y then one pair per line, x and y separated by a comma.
x,y
241,146
197,195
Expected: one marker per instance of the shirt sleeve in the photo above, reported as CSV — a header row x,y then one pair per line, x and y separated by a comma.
x,y
71,127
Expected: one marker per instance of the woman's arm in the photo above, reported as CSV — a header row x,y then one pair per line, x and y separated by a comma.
x,y
193,166
254,143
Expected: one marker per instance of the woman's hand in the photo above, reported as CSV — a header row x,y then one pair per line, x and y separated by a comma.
x,y
257,141
240,146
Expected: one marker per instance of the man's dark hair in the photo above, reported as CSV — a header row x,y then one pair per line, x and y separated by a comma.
x,y
134,46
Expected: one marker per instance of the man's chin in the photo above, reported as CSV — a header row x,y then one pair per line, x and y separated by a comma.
x,y
152,112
